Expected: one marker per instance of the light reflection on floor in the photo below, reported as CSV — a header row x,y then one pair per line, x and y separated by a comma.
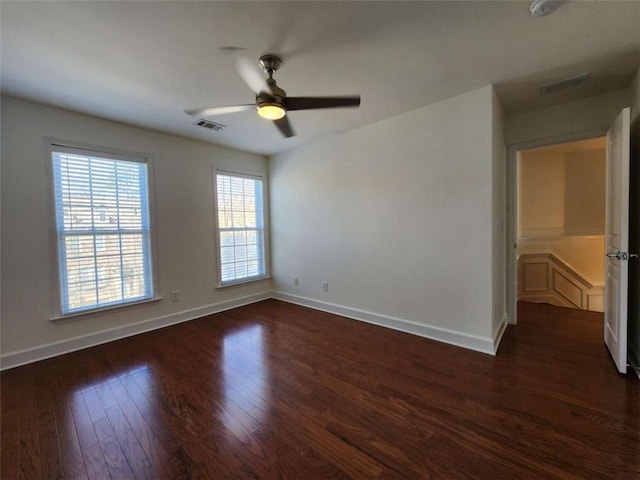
x,y
242,406
140,371
90,399
245,380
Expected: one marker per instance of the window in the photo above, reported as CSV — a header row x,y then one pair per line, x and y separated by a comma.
x,y
102,224
240,227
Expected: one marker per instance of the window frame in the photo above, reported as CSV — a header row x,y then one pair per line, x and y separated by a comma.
x,y
55,145
265,227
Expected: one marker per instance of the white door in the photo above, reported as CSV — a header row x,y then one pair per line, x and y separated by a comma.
x,y
617,240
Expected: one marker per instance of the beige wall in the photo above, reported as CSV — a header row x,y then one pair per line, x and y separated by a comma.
x,y
183,222
585,185
584,254
541,194
561,205
561,193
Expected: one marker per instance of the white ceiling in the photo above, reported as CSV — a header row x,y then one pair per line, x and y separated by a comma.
x,y
144,62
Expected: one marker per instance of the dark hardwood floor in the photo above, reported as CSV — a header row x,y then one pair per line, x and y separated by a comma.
x,y
273,390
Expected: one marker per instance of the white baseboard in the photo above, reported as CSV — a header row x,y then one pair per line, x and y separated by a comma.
x,y
472,342
452,337
497,338
29,355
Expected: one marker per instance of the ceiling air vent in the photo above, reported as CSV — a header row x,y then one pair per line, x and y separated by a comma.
x,y
216,127
565,83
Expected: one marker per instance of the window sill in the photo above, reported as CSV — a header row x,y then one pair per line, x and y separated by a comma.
x,y
86,313
244,281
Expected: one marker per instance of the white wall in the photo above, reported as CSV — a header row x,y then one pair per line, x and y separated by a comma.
x,y
590,114
397,217
499,216
184,227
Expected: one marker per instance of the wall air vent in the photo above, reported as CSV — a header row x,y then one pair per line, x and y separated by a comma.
x,y
574,81
216,127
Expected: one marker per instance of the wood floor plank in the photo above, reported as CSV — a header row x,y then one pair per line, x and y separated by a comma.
x,y
75,372
71,460
131,448
48,434
82,420
114,457
29,441
273,390
10,422
170,423
95,463
153,448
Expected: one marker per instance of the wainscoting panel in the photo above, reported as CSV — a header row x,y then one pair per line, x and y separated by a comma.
x,y
571,291
536,278
544,278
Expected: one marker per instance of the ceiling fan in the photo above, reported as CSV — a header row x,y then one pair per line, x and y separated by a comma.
x,y
272,102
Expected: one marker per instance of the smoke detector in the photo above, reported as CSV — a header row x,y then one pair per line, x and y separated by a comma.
x,y
541,8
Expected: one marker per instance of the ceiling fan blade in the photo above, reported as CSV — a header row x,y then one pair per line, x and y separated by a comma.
x,y
251,75
310,103
285,127
212,111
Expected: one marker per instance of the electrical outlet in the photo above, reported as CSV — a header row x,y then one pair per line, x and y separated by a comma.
x,y
325,286
175,295
296,281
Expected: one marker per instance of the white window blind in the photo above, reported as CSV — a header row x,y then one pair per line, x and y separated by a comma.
x,y
102,219
240,227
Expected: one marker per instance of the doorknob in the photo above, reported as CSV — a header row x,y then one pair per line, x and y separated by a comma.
x,y
622,255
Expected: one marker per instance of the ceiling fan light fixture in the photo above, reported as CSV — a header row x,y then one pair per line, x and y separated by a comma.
x,y
271,111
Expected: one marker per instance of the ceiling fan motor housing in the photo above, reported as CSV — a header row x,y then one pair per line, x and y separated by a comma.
x,y
271,104
270,63
275,97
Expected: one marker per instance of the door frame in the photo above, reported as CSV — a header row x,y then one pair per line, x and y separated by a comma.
x,y
512,207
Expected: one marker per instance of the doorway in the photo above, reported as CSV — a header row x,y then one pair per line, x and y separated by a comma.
x,y
556,228
560,243
617,231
